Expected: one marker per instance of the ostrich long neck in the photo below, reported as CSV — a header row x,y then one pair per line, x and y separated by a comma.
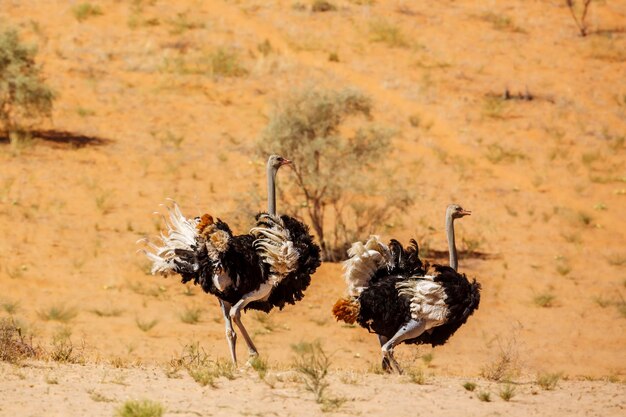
x,y
451,242
271,190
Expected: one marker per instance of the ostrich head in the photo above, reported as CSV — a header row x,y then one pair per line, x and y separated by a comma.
x,y
454,211
276,161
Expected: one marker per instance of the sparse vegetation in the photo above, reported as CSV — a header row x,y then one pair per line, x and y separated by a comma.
x,y
306,125
107,312
484,396
469,386
142,408
544,300
507,392
63,349
322,6
85,10
25,99
416,375
388,33
497,154
548,381
147,325
505,365
427,358
14,345
312,364
501,22
225,63
182,23
191,315
59,312
200,367
10,307
260,366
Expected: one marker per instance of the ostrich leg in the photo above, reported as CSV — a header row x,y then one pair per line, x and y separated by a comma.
x,y
409,330
235,313
385,363
231,336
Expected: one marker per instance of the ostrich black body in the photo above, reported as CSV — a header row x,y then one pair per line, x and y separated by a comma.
x,y
246,270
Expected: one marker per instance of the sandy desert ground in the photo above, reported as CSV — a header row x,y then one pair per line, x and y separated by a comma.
x,y
145,119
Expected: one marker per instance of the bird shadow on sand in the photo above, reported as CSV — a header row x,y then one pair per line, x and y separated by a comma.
x,y
62,139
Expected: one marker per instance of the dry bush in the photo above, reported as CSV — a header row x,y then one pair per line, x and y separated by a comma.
x,y
505,365
200,366
24,96
343,184
14,346
312,363
581,22
548,381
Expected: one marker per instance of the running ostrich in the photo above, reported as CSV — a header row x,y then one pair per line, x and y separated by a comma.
x,y
269,267
390,294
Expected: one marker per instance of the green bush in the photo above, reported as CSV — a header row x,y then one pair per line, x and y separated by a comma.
x,y
333,172
24,96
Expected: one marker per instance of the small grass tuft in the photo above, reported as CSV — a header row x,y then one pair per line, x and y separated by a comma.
x,y
260,366
416,375
142,408
146,326
507,392
484,396
469,386
428,358
84,11
548,381
388,33
322,6
10,307
225,63
58,313
191,315
312,363
107,312
544,300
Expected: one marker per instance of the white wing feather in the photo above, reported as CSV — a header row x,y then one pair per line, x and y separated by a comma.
x,y
428,299
274,246
364,260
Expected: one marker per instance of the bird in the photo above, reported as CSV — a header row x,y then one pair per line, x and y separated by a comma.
x,y
266,268
391,294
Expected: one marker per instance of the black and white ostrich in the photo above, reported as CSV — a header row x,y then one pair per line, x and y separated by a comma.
x,y
269,267
390,293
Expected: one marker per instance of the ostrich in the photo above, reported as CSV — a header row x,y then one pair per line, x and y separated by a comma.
x,y
269,267
391,295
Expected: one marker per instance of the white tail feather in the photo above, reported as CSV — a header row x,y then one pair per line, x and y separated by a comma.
x,y
274,246
364,260
181,234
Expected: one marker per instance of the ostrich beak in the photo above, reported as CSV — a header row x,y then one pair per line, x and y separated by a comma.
x,y
286,162
465,212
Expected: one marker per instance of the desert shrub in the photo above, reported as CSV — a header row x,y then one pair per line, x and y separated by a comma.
x,y
548,381
14,346
322,6
312,364
340,182
143,408
505,363
24,96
